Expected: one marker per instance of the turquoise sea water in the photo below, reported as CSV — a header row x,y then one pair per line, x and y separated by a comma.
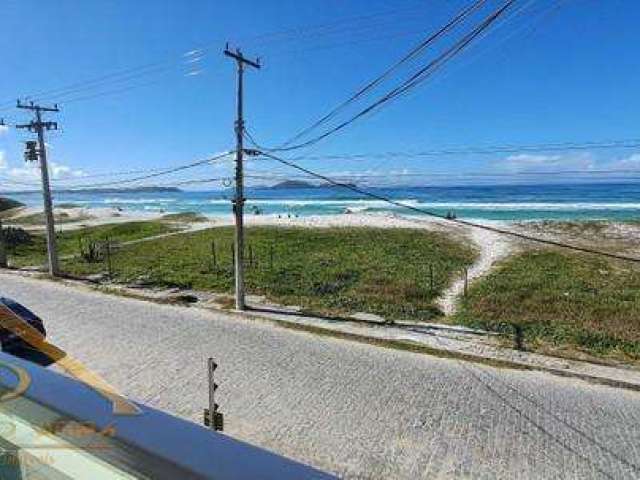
x,y
521,202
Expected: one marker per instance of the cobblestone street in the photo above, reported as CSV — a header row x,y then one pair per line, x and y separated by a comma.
x,y
353,409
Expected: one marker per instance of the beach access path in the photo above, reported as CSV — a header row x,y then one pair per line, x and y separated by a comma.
x,y
357,410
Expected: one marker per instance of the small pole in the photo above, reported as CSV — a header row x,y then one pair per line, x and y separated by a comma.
x,y
233,256
466,281
518,337
271,256
213,254
212,389
3,249
431,277
109,269
212,418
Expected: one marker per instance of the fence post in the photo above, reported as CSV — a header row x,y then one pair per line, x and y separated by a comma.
x,y
431,277
3,249
213,254
108,255
466,281
271,256
518,337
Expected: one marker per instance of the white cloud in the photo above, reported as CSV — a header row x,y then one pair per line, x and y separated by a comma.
x,y
526,163
629,163
3,160
3,129
31,171
63,171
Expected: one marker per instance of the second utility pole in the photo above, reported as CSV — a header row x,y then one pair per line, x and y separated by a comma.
x,y
238,203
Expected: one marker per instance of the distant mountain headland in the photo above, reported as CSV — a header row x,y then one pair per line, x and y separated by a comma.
x,y
8,204
287,184
123,190
292,184
110,190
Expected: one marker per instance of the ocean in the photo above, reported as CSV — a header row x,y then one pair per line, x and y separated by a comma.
x,y
517,202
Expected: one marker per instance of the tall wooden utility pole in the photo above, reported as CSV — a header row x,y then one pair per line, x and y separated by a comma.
x,y
238,203
33,154
3,249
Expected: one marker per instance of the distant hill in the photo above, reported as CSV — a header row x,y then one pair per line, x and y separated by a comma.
x,y
292,184
8,204
112,190
123,190
302,184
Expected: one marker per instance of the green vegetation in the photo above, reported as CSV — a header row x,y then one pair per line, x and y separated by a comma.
x,y
561,300
8,204
34,253
328,271
187,217
39,218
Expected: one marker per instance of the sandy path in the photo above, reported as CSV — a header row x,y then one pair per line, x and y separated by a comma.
x,y
493,247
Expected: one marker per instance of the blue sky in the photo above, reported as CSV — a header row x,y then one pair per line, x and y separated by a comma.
x,y
566,74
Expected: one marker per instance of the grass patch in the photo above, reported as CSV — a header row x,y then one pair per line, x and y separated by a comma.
x,y
328,271
561,299
576,227
35,252
39,218
184,217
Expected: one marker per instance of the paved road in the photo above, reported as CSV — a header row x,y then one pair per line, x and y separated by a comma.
x,y
353,409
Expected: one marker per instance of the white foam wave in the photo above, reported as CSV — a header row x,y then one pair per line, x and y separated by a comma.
x,y
318,202
533,206
139,200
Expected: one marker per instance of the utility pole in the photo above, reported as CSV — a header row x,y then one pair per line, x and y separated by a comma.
x,y
40,153
238,202
3,248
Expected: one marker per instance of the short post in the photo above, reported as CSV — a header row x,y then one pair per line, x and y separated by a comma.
x,y
3,248
518,337
271,256
213,254
212,418
108,256
431,277
466,281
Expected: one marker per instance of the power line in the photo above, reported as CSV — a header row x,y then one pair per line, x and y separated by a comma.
x,y
480,150
341,25
156,174
414,80
110,92
198,53
101,81
467,223
417,50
